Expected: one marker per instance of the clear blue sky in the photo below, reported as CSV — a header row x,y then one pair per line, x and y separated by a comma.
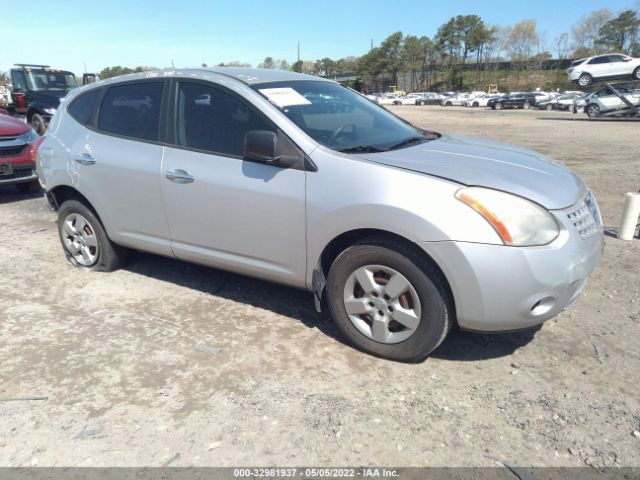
x,y
104,33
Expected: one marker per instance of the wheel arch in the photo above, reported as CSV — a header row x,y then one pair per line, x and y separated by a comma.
x,y
60,194
346,239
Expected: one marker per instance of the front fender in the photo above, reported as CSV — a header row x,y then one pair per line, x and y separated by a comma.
x,y
347,193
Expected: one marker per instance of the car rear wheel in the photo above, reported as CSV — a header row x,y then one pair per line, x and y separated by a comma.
x,y
38,123
549,107
475,104
85,241
526,105
585,80
388,301
636,74
448,104
593,110
497,106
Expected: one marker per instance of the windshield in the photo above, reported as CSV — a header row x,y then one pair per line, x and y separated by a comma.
x,y
340,118
41,80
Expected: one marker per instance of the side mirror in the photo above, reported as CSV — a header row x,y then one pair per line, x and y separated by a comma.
x,y
261,145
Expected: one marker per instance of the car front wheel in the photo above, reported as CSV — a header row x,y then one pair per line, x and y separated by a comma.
x,y
497,106
85,241
388,300
636,74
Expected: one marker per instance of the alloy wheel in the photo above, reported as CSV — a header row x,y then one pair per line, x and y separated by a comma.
x,y
80,240
382,304
584,81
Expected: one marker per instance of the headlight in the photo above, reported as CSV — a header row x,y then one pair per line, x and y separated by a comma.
x,y
29,136
517,221
50,111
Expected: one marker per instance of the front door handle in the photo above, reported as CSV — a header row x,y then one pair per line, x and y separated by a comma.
x,y
179,176
85,159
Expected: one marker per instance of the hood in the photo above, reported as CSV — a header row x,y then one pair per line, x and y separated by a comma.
x,y
49,99
12,126
500,166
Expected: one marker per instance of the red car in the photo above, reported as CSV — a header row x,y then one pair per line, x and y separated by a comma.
x,y
18,147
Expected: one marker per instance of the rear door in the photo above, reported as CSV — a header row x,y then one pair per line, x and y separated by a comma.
x,y
599,67
224,210
117,163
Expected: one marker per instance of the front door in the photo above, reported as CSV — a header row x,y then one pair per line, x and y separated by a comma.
x,y
225,211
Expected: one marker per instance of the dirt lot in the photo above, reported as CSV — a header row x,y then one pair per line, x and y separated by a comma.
x,y
169,363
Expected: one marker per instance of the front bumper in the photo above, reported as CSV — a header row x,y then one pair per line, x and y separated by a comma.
x,y
22,173
502,288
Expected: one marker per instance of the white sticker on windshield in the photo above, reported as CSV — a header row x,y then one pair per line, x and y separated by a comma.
x,y
284,97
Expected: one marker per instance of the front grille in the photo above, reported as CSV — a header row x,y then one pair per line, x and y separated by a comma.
x,y
12,151
583,221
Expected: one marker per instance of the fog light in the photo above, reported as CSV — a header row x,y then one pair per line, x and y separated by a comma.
x,y
542,306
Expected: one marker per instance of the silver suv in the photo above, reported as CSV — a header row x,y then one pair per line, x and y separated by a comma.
x,y
398,231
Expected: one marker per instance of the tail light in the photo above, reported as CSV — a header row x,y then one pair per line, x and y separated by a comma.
x,y
33,148
19,100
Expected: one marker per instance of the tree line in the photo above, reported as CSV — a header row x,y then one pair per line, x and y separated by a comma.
x,y
467,52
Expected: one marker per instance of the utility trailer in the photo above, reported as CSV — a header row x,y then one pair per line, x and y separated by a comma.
x,y
621,100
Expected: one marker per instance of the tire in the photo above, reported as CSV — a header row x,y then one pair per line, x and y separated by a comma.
x,y
475,104
498,106
426,299
636,74
101,253
28,187
593,110
448,104
38,123
549,107
526,105
585,80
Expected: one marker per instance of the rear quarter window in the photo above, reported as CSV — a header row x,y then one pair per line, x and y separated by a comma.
x,y
82,107
132,110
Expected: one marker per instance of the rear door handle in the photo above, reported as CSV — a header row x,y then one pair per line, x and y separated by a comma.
x,y
85,159
179,176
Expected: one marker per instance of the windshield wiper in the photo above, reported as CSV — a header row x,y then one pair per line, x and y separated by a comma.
x,y
407,141
362,148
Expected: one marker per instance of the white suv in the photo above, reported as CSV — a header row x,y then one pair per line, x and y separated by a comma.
x,y
602,67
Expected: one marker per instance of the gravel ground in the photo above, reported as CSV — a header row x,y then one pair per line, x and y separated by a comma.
x,y
165,363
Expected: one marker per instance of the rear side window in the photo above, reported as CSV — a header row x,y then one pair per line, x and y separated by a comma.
x,y
82,107
132,110
211,119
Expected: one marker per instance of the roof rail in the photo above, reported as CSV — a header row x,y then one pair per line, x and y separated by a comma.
x,y
31,65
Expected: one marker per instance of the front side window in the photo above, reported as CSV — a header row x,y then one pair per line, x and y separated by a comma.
x,y
211,119
340,118
132,110
82,107
42,80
